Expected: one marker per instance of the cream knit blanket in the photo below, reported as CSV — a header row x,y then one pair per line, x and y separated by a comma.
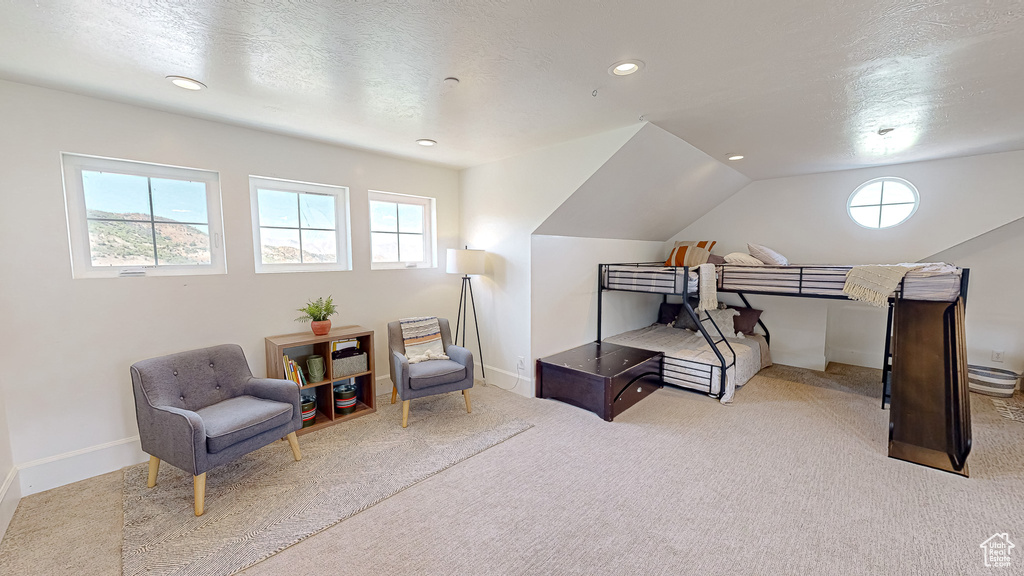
x,y
875,283
708,284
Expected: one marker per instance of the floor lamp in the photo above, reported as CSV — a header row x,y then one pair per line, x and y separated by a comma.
x,y
467,262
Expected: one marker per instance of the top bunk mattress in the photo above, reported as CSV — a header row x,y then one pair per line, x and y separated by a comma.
x,y
931,283
648,277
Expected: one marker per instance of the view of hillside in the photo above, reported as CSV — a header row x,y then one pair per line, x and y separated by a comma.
x,y
290,255
131,242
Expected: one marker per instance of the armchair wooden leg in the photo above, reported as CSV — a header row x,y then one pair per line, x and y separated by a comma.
x,y
154,467
199,487
294,441
394,393
405,413
469,405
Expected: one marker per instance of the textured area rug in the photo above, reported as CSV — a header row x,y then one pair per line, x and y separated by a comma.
x,y
266,501
1012,408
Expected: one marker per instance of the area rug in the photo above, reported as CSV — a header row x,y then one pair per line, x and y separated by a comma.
x,y
1012,408
266,501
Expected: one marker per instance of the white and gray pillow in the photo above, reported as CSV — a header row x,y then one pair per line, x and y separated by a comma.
x,y
767,255
741,258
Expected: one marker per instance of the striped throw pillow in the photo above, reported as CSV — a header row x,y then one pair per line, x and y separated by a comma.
x,y
678,256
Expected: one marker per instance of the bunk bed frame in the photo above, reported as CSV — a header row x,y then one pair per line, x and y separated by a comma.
x,y
671,281
943,322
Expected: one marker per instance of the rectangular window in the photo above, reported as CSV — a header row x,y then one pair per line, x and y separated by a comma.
x,y
137,219
401,231
299,226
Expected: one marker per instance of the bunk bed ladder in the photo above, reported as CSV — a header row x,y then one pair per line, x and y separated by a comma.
x,y
714,346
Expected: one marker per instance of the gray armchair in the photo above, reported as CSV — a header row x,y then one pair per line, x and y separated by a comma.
x,y
203,408
431,377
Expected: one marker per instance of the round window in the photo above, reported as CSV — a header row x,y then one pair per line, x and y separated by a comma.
x,y
883,202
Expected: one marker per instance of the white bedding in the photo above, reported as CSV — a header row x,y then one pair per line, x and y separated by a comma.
x,y
676,343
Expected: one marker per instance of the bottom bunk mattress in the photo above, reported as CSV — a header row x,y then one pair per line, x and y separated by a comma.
x,y
690,362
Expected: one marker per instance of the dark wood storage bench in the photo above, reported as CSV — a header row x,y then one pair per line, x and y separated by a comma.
x,y
601,377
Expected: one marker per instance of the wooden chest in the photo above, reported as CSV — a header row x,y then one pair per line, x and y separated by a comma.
x,y
601,377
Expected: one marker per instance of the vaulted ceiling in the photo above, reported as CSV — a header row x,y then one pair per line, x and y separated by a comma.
x,y
796,86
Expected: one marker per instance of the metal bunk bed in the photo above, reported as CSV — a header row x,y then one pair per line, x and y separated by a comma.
x,y
929,401
655,277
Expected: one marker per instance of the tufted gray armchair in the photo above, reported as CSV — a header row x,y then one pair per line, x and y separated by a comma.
x,y
421,379
203,408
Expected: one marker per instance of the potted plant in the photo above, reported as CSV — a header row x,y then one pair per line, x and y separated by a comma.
x,y
318,312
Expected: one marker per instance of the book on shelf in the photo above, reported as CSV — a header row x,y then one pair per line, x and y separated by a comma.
x,y
343,344
291,371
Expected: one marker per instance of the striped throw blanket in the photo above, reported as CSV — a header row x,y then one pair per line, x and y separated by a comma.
x,y
422,337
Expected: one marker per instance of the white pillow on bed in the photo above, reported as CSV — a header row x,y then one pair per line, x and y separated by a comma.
x,y
767,255
741,258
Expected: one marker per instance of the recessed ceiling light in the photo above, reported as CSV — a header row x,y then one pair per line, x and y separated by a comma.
x,y
426,142
450,82
186,83
735,156
626,67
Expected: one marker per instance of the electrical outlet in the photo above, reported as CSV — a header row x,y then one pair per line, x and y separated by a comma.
x,y
997,355
520,363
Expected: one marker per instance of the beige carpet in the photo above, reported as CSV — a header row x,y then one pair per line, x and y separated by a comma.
x,y
1012,408
266,501
791,479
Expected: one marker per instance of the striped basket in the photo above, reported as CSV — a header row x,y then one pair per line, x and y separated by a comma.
x,y
345,398
308,411
991,381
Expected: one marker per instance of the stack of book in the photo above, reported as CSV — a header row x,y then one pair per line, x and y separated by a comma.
x,y
293,372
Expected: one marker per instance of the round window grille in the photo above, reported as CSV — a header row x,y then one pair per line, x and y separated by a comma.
x,y
883,202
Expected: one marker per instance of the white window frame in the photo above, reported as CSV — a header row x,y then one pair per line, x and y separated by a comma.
x,y
72,166
429,229
341,223
882,203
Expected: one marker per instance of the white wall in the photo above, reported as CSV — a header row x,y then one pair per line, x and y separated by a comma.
x,y
503,202
652,186
563,282
805,219
10,489
71,412
995,309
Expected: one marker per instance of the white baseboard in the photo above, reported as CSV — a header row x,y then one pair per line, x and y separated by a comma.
x,y
809,360
856,357
504,379
10,495
521,384
53,471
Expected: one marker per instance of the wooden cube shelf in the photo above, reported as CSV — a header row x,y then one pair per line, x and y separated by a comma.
x,y
301,345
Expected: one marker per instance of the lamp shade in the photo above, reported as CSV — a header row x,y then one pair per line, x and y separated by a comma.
x,y
467,262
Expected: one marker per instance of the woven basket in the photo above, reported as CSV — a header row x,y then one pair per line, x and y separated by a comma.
x,y
991,381
342,367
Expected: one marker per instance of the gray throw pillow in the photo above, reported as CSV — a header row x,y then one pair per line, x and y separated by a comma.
x,y
684,321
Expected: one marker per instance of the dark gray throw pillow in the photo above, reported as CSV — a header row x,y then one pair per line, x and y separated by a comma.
x,y
684,320
668,312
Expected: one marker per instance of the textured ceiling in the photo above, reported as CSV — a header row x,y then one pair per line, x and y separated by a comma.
x,y
797,86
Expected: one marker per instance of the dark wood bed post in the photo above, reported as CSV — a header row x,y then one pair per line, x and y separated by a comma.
x,y
600,295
